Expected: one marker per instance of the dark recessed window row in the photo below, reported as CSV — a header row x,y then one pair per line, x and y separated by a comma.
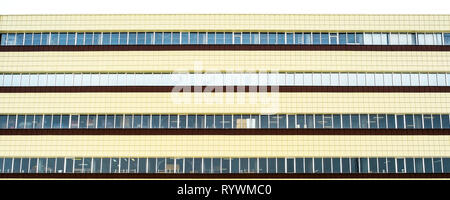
x,y
225,165
201,121
226,79
230,38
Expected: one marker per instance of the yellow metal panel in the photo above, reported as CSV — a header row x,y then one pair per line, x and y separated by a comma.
x,y
225,146
252,103
224,22
226,61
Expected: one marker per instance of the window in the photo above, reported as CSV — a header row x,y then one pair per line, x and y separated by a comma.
x,y
447,38
324,38
211,38
299,165
220,38
88,38
272,38
168,38
316,38
346,121
342,38
336,165
193,38
245,38
289,38
318,165
228,38
123,38
226,165
307,38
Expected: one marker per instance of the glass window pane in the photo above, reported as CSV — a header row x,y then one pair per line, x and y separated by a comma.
x,y
96,164
382,165
281,166
346,121
445,121
409,165
324,38
101,121
373,165
418,121
226,165
428,163
354,120
364,121
345,165
212,38
307,38
91,121
235,165
56,122
437,165
336,121
391,121
272,38
308,165
318,165
327,165
381,121
271,165
319,121
69,165
228,38
301,123
364,165
299,165
336,165
65,121
342,38
246,38
316,38
21,121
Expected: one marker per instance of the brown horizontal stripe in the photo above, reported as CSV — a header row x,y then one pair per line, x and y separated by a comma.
x,y
228,48
225,89
225,176
157,131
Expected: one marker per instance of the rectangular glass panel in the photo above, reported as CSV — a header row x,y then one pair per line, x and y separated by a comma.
x,y
65,121
308,165
281,166
436,121
336,121
228,38
345,121
212,38
271,165
225,165
418,121
437,165
318,165
400,122
69,165
336,165
327,165
354,120
409,165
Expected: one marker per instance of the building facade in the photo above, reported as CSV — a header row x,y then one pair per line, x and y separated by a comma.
x,y
225,96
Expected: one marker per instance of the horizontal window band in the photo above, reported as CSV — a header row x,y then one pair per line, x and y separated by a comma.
x,y
220,121
207,89
222,176
227,48
225,165
225,79
228,38
167,131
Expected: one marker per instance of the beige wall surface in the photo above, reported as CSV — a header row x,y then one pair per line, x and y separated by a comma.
x,y
224,22
225,146
226,61
229,102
